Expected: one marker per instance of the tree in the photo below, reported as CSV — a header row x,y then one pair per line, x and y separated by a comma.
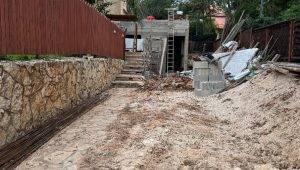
x,y
100,5
144,8
273,10
200,16
292,11
92,2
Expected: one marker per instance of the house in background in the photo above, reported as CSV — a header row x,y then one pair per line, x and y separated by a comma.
x,y
118,7
219,20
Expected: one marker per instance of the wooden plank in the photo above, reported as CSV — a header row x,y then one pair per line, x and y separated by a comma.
x,y
21,27
8,26
291,40
163,57
2,28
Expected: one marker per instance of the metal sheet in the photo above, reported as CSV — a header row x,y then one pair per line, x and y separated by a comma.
x,y
239,61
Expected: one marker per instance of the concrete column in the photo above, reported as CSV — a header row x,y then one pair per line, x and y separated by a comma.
x,y
186,49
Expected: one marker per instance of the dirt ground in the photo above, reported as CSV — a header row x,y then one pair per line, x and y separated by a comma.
x,y
254,126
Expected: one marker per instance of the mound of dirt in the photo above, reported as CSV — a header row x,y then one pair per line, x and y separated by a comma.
x,y
264,114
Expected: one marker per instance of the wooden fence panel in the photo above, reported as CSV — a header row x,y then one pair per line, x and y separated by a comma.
x,y
57,27
296,41
286,34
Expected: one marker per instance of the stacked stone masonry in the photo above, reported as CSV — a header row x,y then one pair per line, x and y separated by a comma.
x,y
33,92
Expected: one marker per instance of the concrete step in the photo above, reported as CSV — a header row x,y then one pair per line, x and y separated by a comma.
x,y
133,57
134,66
133,53
129,77
134,62
128,83
132,71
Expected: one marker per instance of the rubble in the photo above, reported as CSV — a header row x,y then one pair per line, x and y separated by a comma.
x,y
289,67
188,74
238,65
172,82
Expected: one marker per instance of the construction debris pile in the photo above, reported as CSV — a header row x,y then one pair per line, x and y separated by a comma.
x,y
230,65
172,82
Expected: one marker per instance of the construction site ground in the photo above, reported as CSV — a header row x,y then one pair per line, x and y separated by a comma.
x,y
253,126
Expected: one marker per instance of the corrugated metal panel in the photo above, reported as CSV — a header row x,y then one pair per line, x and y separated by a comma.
x,y
57,27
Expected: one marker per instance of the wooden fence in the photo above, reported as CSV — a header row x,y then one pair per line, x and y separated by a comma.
x,y
285,34
57,27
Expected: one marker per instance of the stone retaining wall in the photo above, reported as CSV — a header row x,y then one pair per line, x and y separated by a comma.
x,y
33,92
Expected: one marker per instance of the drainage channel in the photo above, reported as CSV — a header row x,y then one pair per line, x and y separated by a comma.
x,y
13,154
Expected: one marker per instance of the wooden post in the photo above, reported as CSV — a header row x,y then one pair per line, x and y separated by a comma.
x,y
267,37
291,40
186,49
135,37
251,36
240,39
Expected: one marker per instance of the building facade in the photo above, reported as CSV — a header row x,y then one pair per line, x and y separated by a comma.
x,y
118,7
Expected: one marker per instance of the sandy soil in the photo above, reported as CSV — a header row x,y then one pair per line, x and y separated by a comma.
x,y
254,126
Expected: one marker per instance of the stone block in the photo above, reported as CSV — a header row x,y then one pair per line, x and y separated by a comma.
x,y
4,103
4,119
219,85
216,78
206,86
208,78
201,64
36,91
17,97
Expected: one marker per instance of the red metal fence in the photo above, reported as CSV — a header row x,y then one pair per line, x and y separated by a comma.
x,y
287,35
57,27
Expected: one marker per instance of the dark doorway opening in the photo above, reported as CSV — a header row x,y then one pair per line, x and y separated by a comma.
x,y
132,36
178,53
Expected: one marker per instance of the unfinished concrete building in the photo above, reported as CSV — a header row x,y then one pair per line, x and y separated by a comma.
x,y
157,43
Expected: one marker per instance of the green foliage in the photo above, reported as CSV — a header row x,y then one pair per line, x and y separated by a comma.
x,y
208,26
100,5
274,11
200,16
293,11
144,8
202,26
92,2
17,57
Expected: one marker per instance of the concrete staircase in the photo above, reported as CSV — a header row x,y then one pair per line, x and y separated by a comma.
x,y
131,75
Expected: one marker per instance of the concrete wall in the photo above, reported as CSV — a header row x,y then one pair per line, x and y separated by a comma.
x,y
157,28
33,92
